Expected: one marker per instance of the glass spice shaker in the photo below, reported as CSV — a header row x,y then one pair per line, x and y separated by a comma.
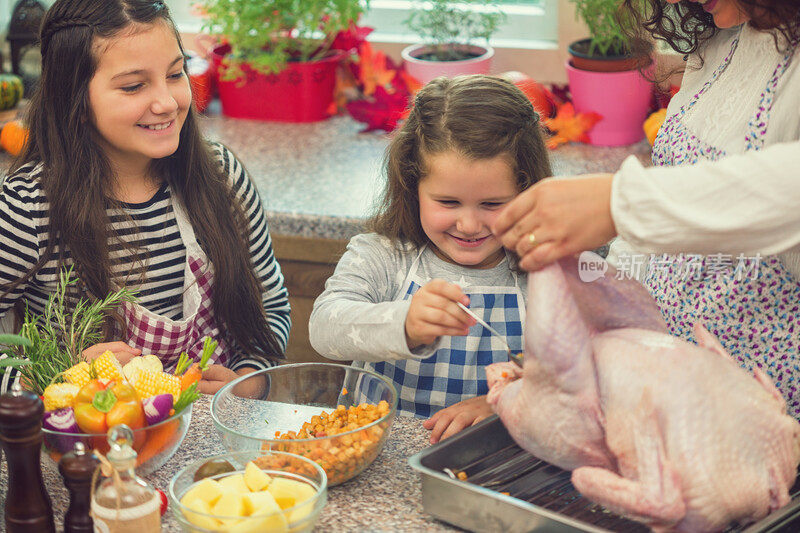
x,y
123,502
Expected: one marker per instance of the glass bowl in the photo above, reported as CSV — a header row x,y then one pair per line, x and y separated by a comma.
x,y
299,518
252,411
154,444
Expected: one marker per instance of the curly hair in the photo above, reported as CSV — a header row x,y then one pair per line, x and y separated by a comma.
x,y
685,26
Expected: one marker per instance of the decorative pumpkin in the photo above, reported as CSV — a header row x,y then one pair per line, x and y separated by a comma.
x,y
13,137
653,123
10,91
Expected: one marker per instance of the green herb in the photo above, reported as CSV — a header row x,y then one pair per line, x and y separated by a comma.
x,y
209,345
450,26
266,34
188,396
57,337
605,23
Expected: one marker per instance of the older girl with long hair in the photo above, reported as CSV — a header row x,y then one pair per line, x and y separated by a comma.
x,y
118,182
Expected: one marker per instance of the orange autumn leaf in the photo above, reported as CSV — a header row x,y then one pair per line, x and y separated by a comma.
x,y
570,126
373,71
412,84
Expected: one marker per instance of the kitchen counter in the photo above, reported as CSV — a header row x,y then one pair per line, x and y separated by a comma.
x,y
321,179
385,497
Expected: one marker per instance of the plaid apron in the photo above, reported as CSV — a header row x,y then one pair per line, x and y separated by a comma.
x,y
457,370
756,318
167,338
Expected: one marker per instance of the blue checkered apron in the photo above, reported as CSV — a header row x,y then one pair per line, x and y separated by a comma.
x,y
457,370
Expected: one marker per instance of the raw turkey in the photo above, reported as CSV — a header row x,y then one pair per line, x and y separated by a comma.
x,y
658,429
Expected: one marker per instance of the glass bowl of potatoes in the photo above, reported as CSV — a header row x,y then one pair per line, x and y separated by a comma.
x,y
338,416
249,491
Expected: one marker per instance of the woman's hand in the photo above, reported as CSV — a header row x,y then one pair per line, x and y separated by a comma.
x,y
434,313
451,420
121,350
565,216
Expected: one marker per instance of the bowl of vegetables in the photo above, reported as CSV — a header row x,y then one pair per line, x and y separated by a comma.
x,y
335,415
94,397
249,491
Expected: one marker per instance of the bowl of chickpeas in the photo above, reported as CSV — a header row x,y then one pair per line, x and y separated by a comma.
x,y
338,416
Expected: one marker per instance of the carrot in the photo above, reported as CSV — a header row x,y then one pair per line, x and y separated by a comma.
x,y
158,439
195,372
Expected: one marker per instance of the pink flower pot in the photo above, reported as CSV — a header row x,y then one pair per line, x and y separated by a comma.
x,y
622,98
424,70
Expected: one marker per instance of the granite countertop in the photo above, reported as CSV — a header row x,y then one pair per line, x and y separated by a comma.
x,y
321,179
385,497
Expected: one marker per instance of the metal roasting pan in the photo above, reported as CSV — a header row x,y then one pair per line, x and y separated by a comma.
x,y
540,496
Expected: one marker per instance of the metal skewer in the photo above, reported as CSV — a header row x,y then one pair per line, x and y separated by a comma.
x,y
514,357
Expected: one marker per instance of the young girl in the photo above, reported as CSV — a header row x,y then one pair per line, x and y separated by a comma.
x,y
469,146
118,182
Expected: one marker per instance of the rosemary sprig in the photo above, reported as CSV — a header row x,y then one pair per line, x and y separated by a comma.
x,y
58,337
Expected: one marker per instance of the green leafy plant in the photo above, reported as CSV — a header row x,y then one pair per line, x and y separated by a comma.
x,y
606,35
450,26
55,339
266,34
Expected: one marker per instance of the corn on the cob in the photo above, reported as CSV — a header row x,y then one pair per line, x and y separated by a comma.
x,y
58,395
149,383
137,364
78,374
106,366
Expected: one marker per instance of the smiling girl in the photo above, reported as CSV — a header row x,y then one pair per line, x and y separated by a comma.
x,y
118,182
469,146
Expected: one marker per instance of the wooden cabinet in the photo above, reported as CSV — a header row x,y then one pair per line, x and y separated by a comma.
x,y
306,263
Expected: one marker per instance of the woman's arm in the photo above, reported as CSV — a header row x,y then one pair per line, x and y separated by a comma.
x,y
742,204
748,203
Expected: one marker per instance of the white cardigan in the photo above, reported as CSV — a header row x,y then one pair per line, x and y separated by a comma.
x,y
748,202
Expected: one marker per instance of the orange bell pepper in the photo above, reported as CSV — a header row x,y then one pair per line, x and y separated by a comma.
x,y
99,406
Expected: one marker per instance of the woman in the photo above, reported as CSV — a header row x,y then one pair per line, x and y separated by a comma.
x,y
733,130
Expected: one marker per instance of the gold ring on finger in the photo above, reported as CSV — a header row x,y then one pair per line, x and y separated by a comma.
x,y
531,239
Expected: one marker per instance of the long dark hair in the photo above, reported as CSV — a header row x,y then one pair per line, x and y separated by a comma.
x,y
685,26
76,172
478,116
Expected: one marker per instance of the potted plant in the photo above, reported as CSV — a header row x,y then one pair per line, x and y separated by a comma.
x,y
606,78
448,31
275,60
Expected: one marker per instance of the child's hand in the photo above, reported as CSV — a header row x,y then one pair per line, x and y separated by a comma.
x,y
451,420
121,350
434,313
214,378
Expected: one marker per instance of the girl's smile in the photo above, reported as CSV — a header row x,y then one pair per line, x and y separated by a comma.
x,y
458,200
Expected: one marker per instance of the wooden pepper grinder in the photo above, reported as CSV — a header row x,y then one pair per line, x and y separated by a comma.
x,y
27,505
77,467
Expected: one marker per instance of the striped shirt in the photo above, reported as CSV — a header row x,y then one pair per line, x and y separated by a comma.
x,y
150,225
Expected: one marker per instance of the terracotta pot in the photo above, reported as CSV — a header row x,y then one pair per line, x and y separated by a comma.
x,y
581,59
301,92
425,70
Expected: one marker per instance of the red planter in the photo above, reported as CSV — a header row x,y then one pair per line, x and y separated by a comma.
x,y
302,92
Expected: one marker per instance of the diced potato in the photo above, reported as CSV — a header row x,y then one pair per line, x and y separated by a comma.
x,y
288,492
275,523
255,478
300,512
258,503
199,506
230,504
207,490
235,483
